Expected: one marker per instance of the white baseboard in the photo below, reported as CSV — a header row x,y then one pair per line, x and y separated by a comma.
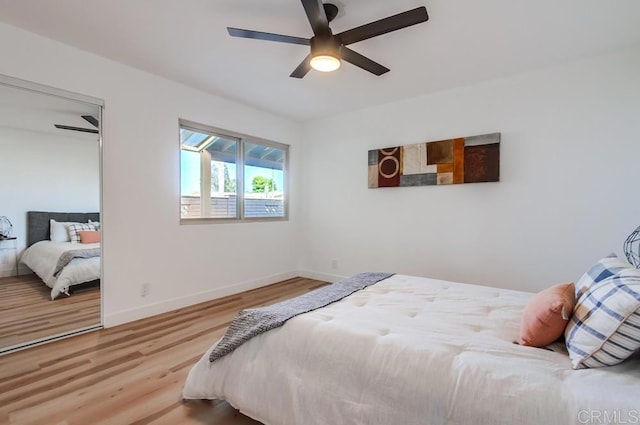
x,y
327,277
11,271
149,310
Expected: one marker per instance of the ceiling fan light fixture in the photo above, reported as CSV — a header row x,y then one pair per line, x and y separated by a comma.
x,y
325,63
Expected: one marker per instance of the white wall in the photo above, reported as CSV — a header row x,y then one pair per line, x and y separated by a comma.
x,y
143,240
568,192
566,196
44,172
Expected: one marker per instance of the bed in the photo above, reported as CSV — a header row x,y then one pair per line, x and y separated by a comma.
x,y
43,255
413,350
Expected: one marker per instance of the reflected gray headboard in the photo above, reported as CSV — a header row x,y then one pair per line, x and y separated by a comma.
x,y
38,223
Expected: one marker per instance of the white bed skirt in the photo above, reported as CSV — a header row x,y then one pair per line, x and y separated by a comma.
x,y
42,258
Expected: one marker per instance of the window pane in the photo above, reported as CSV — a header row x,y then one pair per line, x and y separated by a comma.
x,y
263,181
208,175
223,177
192,139
189,184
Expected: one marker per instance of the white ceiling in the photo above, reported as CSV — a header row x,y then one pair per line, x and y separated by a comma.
x,y
465,41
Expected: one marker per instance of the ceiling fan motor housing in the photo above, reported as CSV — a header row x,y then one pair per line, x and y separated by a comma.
x,y
329,46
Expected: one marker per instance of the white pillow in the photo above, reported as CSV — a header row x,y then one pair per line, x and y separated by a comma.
x,y
58,230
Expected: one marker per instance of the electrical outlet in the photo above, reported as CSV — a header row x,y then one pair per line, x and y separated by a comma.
x,y
334,264
144,289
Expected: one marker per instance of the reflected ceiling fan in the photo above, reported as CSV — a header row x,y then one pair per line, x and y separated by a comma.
x,y
88,118
328,49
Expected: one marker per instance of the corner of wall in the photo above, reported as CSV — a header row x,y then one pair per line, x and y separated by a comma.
x,y
327,277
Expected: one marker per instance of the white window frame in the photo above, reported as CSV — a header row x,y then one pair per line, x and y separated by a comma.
x,y
205,175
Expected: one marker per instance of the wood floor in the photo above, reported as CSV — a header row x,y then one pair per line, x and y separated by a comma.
x,y
130,374
27,312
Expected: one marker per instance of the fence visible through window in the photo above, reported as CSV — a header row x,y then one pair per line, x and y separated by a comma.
x,y
226,207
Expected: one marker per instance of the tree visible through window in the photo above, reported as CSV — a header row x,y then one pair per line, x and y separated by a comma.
x,y
215,165
260,184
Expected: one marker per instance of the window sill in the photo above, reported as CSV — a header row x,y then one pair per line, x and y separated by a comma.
x,y
189,221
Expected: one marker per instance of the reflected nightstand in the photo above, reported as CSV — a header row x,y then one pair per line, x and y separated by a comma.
x,y
10,244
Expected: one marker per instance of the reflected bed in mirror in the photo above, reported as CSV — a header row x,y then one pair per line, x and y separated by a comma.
x,y
63,249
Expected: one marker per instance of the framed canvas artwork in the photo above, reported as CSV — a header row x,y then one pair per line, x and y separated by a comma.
x,y
472,159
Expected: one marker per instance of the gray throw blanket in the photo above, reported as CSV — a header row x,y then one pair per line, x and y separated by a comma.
x,y
254,321
67,256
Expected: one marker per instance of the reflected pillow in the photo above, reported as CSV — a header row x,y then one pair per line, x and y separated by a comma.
x,y
89,236
546,315
74,228
58,230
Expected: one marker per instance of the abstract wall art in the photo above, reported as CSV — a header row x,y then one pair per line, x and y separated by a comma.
x,y
463,160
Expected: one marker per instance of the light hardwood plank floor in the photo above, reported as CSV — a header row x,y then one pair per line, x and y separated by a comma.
x,y
27,312
129,374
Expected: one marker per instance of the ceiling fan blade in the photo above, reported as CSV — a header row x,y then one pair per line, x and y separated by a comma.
x,y
317,16
259,35
68,127
363,62
303,68
91,120
383,26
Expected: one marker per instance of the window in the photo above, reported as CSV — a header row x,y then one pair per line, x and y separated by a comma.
x,y
224,175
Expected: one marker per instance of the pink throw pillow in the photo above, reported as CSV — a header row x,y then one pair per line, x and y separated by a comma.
x,y
547,314
89,236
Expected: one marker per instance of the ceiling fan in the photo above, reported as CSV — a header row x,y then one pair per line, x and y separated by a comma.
x,y
328,49
89,118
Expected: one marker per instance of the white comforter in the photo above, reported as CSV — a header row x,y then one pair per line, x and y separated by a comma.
x,y
411,350
42,258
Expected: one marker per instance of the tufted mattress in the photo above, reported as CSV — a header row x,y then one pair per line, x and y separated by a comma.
x,y
412,350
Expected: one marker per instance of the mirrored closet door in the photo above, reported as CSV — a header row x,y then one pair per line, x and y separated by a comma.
x,y
50,199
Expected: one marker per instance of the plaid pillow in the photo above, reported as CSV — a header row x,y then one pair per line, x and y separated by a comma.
x,y
73,229
605,327
607,267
